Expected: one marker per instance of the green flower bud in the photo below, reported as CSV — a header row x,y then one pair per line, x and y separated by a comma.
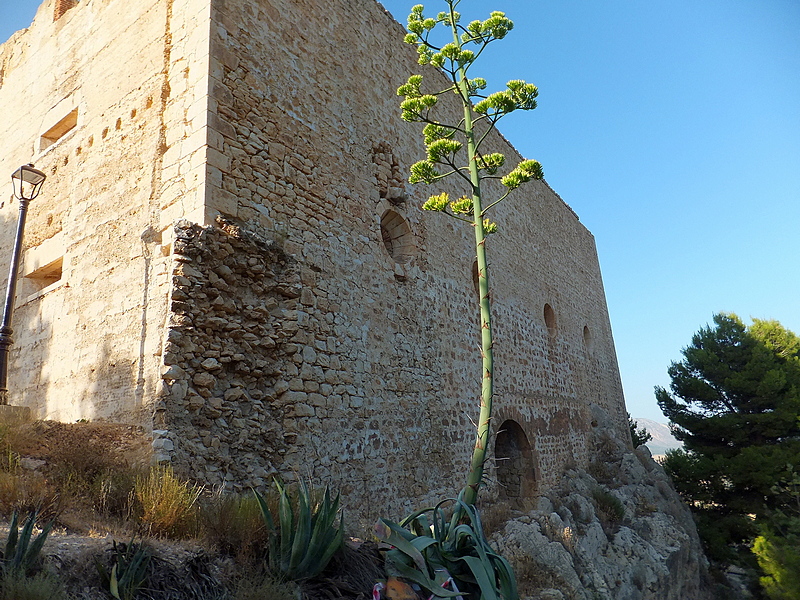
x,y
438,202
489,227
413,107
429,24
411,38
416,27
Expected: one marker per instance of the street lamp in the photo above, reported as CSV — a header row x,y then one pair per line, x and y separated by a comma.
x,y
29,181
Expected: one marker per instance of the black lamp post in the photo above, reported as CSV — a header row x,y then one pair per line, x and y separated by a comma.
x,y
29,181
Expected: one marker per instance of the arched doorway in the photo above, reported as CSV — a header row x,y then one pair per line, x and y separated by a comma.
x,y
516,472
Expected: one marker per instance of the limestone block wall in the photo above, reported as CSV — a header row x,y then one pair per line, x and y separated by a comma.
x,y
227,250
382,376
91,94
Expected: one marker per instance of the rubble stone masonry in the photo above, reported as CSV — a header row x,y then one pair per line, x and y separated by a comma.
x,y
246,272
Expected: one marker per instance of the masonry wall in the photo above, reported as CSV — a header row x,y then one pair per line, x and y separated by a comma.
x,y
246,271
92,94
375,388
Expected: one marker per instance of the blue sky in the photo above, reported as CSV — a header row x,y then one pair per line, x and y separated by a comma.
x,y
673,130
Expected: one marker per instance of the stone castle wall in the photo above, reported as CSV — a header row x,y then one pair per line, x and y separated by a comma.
x,y
322,325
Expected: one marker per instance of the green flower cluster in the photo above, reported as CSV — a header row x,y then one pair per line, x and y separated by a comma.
x,y
439,149
441,202
518,96
494,28
524,172
413,107
491,162
438,203
424,171
437,131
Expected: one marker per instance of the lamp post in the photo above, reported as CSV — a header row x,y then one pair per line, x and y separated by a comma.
x,y
29,181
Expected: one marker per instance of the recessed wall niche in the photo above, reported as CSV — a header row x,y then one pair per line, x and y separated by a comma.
x,y
550,321
397,237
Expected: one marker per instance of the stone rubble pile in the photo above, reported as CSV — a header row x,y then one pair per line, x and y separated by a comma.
x,y
616,532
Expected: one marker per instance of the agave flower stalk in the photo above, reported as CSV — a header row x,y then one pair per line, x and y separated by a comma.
x,y
444,143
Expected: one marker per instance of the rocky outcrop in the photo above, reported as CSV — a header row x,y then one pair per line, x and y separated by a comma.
x,y
617,530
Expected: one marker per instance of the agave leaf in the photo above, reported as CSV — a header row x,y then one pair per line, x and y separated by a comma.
x,y
484,576
409,572
397,537
35,548
414,515
286,519
266,515
11,543
113,583
324,537
505,576
334,545
24,540
302,534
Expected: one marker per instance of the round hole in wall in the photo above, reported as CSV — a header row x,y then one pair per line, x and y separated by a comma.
x,y
550,320
397,237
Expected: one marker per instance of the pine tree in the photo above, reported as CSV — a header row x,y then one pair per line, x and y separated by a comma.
x,y
735,405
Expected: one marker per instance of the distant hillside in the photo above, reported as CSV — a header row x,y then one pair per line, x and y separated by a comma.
x,y
662,438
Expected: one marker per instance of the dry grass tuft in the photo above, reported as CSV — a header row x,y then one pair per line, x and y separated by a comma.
x,y
168,505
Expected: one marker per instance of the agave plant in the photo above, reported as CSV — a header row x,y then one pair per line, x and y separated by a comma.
x,y
129,570
433,545
306,536
20,554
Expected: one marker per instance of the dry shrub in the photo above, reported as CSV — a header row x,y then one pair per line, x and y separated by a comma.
x,y
494,517
532,576
259,587
42,586
233,524
28,492
168,505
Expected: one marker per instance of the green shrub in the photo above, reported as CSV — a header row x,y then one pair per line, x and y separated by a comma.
x,y
610,510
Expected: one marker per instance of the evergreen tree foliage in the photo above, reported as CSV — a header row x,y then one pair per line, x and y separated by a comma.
x,y
639,435
735,405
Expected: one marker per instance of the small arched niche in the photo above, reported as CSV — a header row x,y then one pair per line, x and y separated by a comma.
x,y
397,237
550,321
516,472
587,338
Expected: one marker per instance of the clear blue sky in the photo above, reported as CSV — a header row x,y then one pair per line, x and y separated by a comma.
x,y
673,130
